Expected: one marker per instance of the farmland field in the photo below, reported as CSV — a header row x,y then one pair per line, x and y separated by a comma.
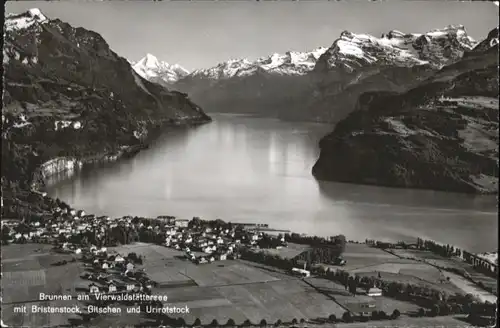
x,y
289,252
231,273
27,272
285,300
344,298
419,270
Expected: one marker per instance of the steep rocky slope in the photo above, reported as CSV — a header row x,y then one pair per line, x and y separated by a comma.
x,y
159,72
441,134
66,93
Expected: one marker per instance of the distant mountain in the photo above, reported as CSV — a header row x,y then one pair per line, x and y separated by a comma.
x,y
358,63
435,48
66,93
245,86
290,63
324,85
157,71
441,134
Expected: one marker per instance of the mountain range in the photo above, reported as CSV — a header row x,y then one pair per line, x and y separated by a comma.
x,y
324,84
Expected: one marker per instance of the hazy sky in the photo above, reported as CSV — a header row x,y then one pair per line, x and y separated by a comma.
x,y
200,34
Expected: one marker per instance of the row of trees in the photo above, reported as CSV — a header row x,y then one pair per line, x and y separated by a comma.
x,y
443,250
296,238
269,259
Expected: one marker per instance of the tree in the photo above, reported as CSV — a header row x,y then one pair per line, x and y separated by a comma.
x,y
421,312
435,310
263,323
5,234
181,322
294,321
278,323
230,323
332,318
214,323
346,317
375,315
395,314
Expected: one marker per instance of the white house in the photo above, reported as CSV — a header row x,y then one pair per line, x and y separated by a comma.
x,y
301,272
111,288
105,266
182,223
93,289
130,287
78,251
374,291
130,266
119,259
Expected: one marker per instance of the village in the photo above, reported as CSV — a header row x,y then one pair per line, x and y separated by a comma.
x,y
210,265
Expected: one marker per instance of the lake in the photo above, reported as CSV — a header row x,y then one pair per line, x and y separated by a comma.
x,y
248,169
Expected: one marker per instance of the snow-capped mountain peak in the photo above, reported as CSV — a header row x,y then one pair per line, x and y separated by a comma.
x,y
436,48
289,63
24,20
155,70
151,61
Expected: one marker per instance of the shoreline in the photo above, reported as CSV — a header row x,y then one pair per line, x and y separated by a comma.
x,y
69,163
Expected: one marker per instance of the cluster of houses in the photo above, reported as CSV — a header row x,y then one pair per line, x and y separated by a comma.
x,y
211,244
111,273
201,244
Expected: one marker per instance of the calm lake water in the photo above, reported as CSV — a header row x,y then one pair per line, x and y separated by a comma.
x,y
245,169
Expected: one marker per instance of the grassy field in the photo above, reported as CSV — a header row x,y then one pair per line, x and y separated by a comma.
x,y
360,256
284,299
27,272
289,252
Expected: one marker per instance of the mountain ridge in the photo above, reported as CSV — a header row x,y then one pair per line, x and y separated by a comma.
x,y
327,92
441,134
67,94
